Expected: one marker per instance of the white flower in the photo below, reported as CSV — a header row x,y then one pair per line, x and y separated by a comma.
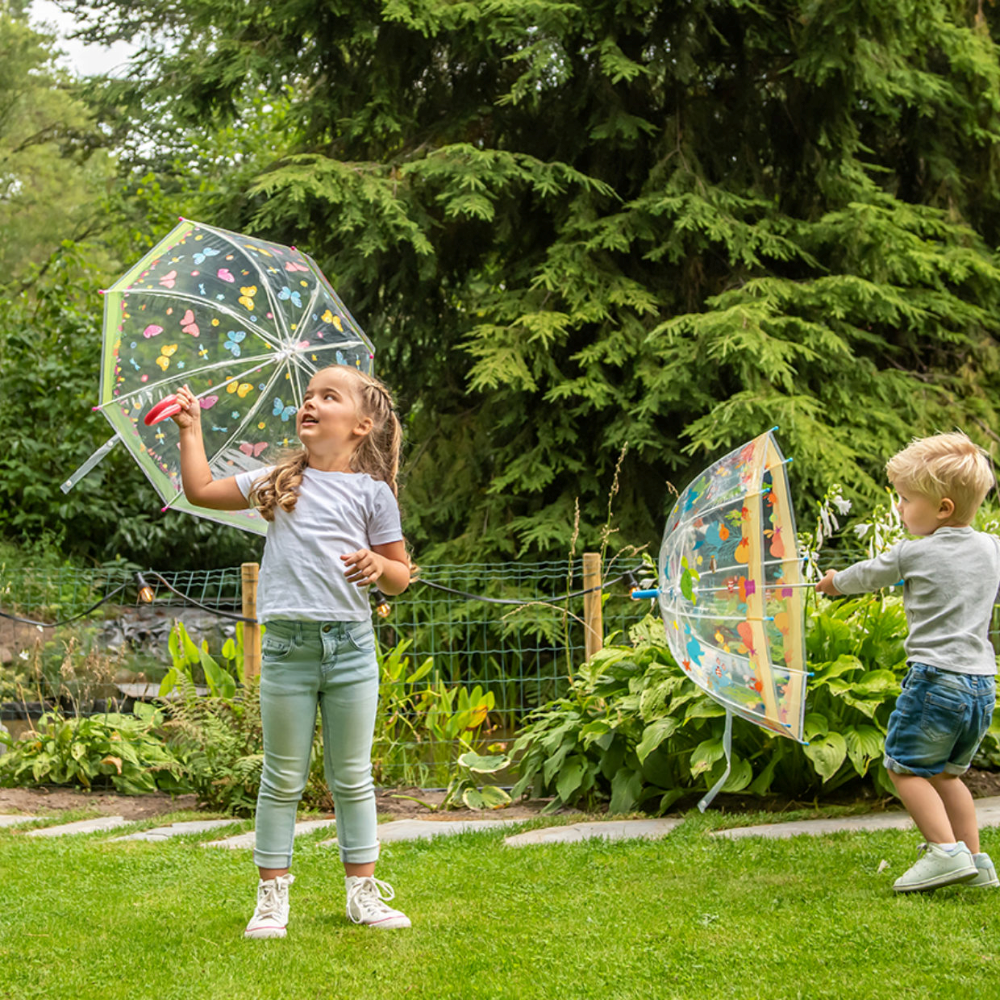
x,y
824,517
861,529
23,655
842,505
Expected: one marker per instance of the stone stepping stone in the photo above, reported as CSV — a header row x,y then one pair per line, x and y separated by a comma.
x,y
623,829
176,829
82,826
248,839
425,829
987,812
14,820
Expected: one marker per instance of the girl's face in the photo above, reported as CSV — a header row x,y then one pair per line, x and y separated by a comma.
x,y
330,412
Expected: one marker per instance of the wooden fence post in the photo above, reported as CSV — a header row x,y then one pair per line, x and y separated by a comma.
x,y
592,617
251,631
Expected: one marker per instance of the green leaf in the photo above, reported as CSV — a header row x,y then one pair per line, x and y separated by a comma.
x,y
705,755
654,734
494,797
570,777
626,786
864,744
827,754
478,764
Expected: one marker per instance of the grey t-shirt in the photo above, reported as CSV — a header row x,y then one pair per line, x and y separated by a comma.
x,y
302,575
951,583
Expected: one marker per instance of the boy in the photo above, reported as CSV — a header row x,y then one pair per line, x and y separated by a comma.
x,y
951,577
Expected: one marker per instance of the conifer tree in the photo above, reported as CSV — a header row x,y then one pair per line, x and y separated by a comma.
x,y
572,225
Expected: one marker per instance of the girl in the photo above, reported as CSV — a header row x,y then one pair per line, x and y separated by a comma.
x,y
334,530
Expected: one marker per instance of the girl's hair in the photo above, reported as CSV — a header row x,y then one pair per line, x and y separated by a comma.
x,y
944,465
377,454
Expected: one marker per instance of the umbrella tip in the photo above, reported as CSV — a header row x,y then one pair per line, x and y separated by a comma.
x,y
102,291
163,510
94,408
180,218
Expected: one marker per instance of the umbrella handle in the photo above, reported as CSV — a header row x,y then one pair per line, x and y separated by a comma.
x,y
166,407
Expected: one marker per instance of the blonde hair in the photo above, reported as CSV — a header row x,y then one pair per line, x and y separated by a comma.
x,y
377,454
944,465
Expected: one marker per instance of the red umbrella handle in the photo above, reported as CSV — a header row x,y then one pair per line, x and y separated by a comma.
x,y
166,407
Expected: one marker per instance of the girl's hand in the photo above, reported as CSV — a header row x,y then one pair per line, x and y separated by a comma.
x,y
363,567
190,415
825,586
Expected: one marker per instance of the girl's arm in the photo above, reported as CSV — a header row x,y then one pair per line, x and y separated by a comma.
x,y
199,486
387,566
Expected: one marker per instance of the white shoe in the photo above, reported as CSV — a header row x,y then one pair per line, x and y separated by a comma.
x,y
270,918
986,874
937,867
366,903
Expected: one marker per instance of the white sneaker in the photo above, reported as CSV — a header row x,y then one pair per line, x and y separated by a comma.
x,y
270,918
937,867
366,903
986,874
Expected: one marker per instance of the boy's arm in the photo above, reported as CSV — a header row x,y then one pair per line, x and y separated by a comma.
x,y
871,574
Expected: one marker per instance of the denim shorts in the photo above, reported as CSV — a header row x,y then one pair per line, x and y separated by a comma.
x,y
939,721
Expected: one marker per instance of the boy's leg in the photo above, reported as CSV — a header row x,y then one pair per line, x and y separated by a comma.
x,y
958,802
923,802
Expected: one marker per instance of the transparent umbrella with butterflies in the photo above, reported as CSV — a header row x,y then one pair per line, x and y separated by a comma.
x,y
245,324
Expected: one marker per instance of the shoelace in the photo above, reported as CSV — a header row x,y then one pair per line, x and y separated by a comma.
x,y
269,898
371,894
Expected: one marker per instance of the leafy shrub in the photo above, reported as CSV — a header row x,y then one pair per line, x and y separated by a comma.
x,y
123,751
636,731
187,657
221,743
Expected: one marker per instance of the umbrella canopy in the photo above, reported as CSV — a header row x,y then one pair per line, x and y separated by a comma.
x,y
243,322
731,587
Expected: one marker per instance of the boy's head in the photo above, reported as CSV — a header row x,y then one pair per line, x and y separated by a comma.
x,y
948,471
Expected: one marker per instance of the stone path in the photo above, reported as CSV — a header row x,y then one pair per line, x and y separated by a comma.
x,y
14,820
82,826
623,829
426,829
987,810
176,829
247,839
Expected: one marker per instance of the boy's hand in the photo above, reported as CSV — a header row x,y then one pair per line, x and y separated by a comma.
x,y
190,415
363,567
825,586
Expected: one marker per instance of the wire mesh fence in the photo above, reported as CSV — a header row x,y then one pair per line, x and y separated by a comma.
x,y
458,670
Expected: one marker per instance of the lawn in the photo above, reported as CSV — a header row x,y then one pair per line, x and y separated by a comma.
x,y
687,917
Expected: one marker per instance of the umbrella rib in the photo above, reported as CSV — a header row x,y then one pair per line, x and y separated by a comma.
x,y
243,425
195,371
721,618
278,314
740,656
742,566
220,307
729,503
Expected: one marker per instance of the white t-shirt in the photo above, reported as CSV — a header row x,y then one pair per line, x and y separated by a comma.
x,y
302,575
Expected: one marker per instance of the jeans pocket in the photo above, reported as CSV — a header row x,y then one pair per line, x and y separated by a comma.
x,y
274,648
361,636
944,715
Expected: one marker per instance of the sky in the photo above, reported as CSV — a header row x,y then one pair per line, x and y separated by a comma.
x,y
82,59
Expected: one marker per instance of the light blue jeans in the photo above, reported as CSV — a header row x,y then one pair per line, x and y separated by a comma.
x,y
304,665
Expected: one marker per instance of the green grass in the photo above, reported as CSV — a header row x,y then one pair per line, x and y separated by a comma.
x,y
684,917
